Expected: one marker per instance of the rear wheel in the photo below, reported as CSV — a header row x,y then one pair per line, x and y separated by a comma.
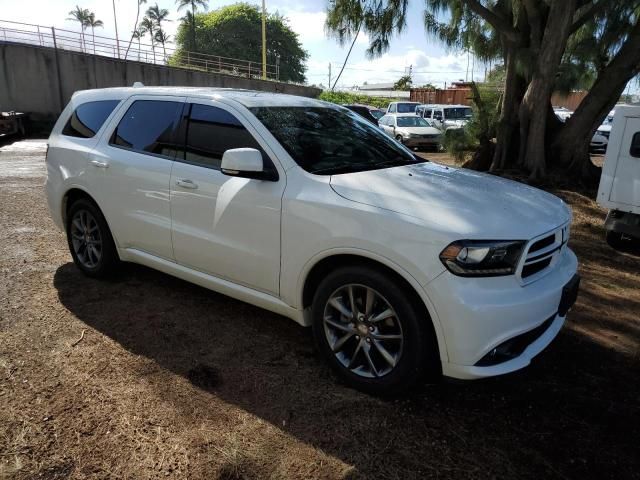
x,y
371,333
90,241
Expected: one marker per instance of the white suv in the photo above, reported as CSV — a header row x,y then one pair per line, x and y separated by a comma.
x,y
403,267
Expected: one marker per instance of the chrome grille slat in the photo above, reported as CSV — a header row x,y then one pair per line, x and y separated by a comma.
x,y
537,262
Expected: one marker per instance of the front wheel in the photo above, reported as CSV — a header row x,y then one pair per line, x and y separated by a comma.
x,y
399,138
371,333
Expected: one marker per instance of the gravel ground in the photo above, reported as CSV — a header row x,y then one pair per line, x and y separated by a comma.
x,y
148,376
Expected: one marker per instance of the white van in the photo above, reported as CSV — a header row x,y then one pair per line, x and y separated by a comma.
x,y
620,182
446,117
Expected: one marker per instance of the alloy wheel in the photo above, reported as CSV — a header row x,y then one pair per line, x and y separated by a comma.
x,y
363,331
86,239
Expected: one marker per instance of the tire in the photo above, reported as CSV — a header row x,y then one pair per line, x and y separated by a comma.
x,y
614,239
399,138
357,360
92,248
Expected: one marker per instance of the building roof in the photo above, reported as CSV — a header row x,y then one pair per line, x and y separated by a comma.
x,y
377,86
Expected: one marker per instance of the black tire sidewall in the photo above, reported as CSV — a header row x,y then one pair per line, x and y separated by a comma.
x,y
109,260
417,346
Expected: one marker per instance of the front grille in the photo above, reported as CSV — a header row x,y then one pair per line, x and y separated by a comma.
x,y
542,253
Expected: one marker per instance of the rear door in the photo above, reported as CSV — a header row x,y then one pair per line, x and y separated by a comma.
x,y
131,169
626,180
225,226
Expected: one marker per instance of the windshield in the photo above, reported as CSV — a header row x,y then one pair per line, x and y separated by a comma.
x,y
412,122
457,113
407,107
325,140
377,114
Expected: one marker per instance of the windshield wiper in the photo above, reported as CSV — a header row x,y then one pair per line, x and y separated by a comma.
x,y
345,168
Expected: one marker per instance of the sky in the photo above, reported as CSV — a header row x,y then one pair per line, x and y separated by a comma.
x,y
430,61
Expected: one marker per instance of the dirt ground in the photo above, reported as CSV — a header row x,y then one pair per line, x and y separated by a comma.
x,y
148,376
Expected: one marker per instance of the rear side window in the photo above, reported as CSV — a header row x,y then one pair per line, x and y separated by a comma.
x,y
210,131
634,151
87,119
149,126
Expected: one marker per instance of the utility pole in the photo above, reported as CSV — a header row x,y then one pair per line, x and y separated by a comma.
x,y
329,74
115,20
264,41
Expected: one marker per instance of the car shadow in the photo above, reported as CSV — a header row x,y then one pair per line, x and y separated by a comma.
x,y
572,413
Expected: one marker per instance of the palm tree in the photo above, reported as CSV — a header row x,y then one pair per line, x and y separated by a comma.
x,y
135,29
162,37
81,16
138,33
194,4
93,23
148,26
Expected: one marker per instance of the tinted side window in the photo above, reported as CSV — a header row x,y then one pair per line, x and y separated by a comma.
x,y
88,118
427,114
210,132
437,114
634,151
149,126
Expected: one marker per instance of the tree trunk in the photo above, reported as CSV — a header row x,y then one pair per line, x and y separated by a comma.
x,y
193,25
533,110
508,121
570,146
135,27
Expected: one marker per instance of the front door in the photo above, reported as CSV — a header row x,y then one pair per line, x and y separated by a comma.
x,y
626,180
225,226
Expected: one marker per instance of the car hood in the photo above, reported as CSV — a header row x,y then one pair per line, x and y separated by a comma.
x,y
420,130
457,202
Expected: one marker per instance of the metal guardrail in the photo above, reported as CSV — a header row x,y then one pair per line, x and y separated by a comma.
x,y
89,44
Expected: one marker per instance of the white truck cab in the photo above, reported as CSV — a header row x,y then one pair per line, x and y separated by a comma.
x,y
619,189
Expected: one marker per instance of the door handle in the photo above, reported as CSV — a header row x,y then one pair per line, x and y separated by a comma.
x,y
186,183
99,164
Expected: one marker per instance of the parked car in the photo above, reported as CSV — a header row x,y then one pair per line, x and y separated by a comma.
x,y
402,107
411,130
562,113
598,143
600,138
618,190
372,114
446,117
404,268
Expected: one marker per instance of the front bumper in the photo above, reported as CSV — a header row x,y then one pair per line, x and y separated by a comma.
x,y
477,315
421,142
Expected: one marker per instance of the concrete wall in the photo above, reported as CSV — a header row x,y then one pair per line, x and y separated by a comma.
x,y
29,78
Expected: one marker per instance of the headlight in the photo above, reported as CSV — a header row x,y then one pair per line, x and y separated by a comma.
x,y
482,258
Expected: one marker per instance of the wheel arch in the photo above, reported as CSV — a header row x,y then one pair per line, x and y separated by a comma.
x,y
318,269
75,193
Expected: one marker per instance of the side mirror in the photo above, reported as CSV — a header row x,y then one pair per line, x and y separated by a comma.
x,y
246,163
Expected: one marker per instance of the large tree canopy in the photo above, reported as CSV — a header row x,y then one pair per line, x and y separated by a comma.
x,y
235,32
545,45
